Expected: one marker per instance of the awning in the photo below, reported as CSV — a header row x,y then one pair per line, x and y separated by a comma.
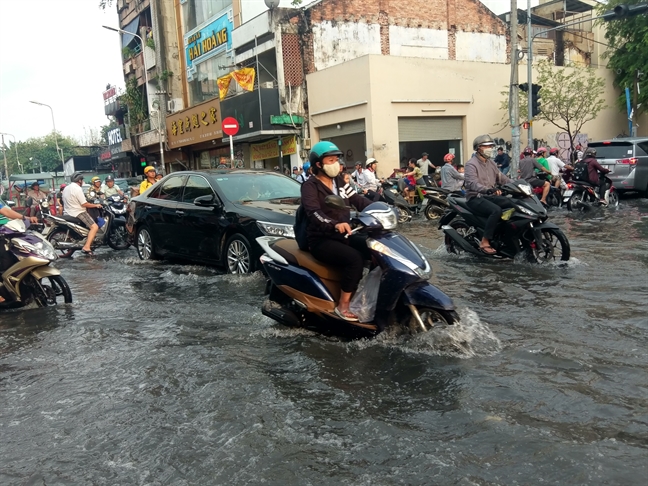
x,y
132,28
31,177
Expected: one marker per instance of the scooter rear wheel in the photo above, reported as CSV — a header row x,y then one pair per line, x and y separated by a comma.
x,y
404,214
434,212
64,236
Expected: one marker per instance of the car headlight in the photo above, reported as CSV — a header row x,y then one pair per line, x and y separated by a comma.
x,y
276,229
42,248
386,218
425,272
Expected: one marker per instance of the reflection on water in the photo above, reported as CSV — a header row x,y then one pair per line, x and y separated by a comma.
x,y
161,373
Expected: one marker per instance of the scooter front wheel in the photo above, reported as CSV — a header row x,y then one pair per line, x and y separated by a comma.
x,y
434,212
404,214
430,318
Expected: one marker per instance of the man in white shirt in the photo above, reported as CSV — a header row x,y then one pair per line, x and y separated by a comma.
x,y
358,174
424,164
75,205
555,165
371,183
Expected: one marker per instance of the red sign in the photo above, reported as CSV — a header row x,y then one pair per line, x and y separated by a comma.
x,y
230,126
109,94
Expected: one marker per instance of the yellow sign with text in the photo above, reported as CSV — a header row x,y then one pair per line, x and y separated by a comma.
x,y
270,149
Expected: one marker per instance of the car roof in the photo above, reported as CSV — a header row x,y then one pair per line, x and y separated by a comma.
x,y
622,139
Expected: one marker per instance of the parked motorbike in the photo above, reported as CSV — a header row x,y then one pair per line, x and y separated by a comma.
x,y
68,234
582,196
28,277
302,291
526,231
437,201
389,195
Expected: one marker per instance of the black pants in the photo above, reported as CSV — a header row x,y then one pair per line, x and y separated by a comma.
x,y
602,188
373,195
490,207
348,256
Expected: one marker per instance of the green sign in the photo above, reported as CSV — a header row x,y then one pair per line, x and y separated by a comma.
x,y
286,119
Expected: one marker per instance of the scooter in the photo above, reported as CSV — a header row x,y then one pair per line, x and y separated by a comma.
x,y
28,277
68,234
525,230
582,196
437,201
302,292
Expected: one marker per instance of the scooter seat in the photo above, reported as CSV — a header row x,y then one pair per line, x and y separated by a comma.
x,y
289,249
72,219
461,201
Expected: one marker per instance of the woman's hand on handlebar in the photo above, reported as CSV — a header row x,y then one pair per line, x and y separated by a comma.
x,y
343,228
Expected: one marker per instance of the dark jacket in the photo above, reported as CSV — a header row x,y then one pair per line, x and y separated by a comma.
x,y
593,169
503,160
322,218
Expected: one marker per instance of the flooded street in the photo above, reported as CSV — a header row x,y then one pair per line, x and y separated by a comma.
x,y
168,374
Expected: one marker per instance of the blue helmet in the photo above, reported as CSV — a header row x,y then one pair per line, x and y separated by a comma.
x,y
323,149
306,166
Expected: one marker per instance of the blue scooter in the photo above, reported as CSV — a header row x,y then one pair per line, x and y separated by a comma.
x,y
302,291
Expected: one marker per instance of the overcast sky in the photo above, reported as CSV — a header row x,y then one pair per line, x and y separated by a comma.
x,y
56,52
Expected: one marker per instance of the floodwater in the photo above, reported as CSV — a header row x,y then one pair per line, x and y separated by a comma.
x,y
168,374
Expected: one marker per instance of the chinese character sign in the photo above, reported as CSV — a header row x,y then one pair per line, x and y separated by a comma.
x,y
200,123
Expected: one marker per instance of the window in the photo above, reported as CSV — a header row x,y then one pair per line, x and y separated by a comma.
x,y
612,150
196,12
171,189
196,186
258,187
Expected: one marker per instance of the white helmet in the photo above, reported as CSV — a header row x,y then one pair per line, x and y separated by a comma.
x,y
370,161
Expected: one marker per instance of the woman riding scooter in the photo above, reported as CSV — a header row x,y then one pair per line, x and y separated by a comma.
x,y
328,230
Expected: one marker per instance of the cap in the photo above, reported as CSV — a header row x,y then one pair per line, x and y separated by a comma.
x,y
424,154
295,168
358,164
35,184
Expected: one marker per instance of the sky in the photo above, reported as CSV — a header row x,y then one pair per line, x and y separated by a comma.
x,y
56,52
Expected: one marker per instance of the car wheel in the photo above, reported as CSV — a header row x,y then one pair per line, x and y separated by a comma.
x,y
613,200
145,246
238,255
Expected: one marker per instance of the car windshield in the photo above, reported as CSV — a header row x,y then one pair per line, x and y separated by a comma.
x,y
612,150
257,186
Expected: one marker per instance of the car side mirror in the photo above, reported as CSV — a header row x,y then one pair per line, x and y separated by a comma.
x,y
208,201
11,204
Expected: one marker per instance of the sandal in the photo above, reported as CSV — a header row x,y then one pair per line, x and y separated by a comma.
x,y
89,253
346,315
488,250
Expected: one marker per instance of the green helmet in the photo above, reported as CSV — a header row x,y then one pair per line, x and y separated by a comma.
x,y
321,150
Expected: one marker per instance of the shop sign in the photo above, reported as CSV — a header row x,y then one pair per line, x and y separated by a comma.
x,y
109,93
105,155
200,123
208,40
270,149
114,137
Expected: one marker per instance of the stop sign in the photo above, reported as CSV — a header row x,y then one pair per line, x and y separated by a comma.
x,y
230,126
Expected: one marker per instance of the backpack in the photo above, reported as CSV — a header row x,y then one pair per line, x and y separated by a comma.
x,y
581,172
301,228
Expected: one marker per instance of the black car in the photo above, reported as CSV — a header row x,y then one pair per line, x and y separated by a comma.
x,y
215,216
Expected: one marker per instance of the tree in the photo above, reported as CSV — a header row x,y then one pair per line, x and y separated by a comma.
x,y
627,39
569,98
42,152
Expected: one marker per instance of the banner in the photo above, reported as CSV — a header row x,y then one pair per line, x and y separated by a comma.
x,y
207,41
270,149
245,78
223,85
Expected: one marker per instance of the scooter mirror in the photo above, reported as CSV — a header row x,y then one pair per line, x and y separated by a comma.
x,y
335,202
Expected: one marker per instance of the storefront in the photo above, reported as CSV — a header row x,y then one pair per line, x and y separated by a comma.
x,y
435,135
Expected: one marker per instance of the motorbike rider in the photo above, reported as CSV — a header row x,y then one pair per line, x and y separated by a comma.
x,y
36,195
306,173
451,179
411,177
556,165
528,166
95,187
593,171
109,188
358,174
371,183
149,173
482,196
327,226
75,204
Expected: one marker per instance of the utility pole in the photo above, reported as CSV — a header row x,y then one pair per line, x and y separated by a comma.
x,y
529,72
4,153
635,99
514,102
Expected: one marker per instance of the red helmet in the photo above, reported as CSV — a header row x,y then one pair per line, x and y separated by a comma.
x,y
448,157
554,151
528,151
542,149
63,186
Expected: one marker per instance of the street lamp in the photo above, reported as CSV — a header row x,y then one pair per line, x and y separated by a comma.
x,y
58,150
40,166
123,32
15,146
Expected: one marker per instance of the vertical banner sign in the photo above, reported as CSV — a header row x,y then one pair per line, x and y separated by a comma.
x,y
230,127
208,40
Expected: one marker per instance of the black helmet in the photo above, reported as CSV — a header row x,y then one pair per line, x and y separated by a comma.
x,y
321,150
77,176
109,178
483,140
590,152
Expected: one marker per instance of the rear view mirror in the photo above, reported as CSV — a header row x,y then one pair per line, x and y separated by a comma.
x,y
11,204
208,201
335,202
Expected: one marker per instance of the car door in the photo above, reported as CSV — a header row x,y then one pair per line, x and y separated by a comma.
x,y
201,228
165,225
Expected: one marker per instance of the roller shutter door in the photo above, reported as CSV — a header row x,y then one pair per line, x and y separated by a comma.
x,y
417,129
346,128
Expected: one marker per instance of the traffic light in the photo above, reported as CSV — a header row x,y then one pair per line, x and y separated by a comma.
x,y
621,11
524,87
535,99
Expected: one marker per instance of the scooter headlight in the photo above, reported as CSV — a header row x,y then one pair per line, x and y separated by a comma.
x,y
43,248
387,218
525,210
526,189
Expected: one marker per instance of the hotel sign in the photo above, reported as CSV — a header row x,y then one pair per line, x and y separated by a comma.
x,y
200,123
208,40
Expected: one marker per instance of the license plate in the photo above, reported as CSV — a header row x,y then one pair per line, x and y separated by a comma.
x,y
568,193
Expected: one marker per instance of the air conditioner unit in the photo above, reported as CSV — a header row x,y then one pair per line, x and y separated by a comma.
x,y
174,105
267,85
306,143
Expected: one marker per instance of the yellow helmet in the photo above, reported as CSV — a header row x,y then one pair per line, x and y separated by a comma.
x,y
149,168
94,179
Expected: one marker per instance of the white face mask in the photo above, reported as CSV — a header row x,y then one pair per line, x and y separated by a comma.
x,y
489,152
331,170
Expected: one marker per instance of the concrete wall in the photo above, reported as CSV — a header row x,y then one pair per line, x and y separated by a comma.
x,y
343,41
480,46
470,90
